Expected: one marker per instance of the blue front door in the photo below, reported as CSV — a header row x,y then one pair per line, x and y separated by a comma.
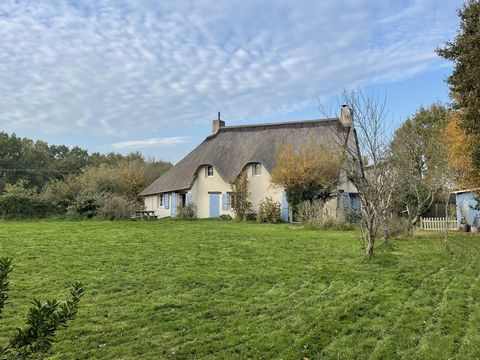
x,y
214,205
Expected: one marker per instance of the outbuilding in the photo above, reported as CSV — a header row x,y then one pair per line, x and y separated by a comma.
x,y
467,206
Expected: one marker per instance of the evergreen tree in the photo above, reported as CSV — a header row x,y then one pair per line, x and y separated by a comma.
x,y
464,82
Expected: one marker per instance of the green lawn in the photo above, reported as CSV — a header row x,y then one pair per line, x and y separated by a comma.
x,y
205,289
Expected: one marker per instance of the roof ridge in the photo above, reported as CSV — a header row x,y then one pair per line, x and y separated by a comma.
x,y
222,129
231,147
281,123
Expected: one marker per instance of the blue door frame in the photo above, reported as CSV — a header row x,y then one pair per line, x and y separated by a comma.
x,y
214,205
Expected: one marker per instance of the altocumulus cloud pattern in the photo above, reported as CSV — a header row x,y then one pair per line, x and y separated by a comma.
x,y
124,67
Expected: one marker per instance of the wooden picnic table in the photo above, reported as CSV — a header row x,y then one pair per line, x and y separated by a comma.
x,y
144,214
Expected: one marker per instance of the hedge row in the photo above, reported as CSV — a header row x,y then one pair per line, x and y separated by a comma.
x,y
20,206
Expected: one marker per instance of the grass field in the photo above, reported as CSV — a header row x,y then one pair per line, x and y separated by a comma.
x,y
205,289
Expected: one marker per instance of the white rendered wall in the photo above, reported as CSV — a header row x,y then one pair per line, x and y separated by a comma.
x,y
202,186
261,186
151,205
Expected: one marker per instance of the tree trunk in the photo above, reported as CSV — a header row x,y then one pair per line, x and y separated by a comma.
x,y
414,221
370,233
384,227
445,239
370,245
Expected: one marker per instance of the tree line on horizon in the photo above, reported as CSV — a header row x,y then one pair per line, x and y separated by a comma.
x,y
38,180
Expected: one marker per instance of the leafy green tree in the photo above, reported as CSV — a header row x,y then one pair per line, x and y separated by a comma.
x,y
420,156
37,163
43,320
464,82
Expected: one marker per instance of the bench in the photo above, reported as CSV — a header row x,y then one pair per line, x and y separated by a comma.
x,y
144,215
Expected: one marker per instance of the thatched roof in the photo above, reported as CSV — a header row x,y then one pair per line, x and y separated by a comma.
x,y
232,147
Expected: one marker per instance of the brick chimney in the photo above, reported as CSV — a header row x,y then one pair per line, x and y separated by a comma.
x,y
217,124
346,116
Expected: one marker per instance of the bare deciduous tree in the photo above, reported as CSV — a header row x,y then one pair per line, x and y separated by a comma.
x,y
368,163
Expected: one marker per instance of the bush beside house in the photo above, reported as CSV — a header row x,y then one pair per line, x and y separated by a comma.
x,y
269,211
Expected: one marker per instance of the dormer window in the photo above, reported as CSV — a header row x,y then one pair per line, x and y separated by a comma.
x,y
257,169
209,171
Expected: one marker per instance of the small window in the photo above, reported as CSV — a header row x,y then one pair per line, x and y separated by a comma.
x,y
160,201
256,169
229,200
209,170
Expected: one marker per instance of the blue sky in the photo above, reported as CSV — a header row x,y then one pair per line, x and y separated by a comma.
x,y
146,75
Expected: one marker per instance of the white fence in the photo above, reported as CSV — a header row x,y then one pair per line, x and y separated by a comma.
x,y
438,224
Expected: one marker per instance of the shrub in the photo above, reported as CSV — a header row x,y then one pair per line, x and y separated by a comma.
x,y
35,340
241,206
269,211
315,216
86,205
225,217
22,206
60,193
329,223
397,227
251,215
19,188
187,212
308,211
116,207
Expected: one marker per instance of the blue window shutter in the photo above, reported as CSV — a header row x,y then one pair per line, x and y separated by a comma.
x,y
225,202
284,213
189,198
166,201
173,211
346,200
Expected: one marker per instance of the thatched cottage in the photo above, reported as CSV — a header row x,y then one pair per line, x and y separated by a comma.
x,y
205,175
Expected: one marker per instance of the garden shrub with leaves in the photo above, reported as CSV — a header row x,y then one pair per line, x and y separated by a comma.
x,y
251,216
310,211
86,205
399,227
22,206
269,211
43,320
187,212
116,207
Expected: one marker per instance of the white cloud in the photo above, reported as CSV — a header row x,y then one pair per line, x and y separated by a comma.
x,y
128,68
153,142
